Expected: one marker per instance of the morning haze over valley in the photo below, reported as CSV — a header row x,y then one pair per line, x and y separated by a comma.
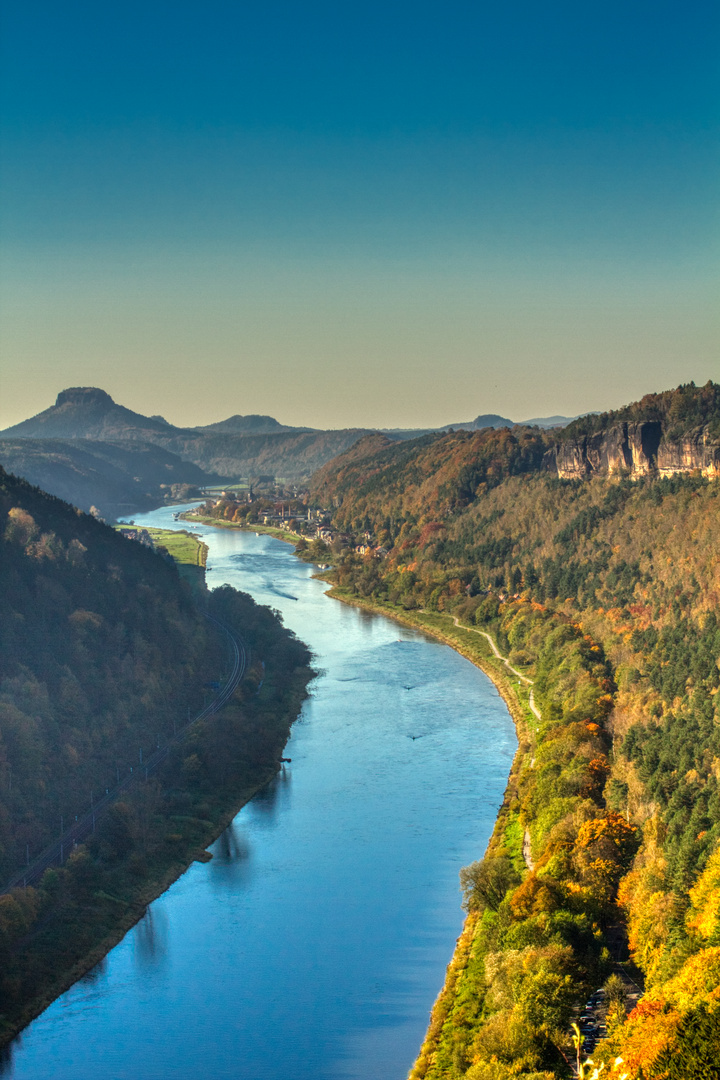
x,y
359,519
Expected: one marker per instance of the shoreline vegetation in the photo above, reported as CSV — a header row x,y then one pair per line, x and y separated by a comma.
x,y
514,851
515,694
602,584
136,909
55,932
218,523
514,687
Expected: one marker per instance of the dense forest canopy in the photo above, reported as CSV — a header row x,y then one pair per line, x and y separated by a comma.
x,y
99,642
678,410
606,593
104,653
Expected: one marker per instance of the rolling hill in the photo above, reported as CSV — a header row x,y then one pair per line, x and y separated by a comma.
x,y
117,478
104,653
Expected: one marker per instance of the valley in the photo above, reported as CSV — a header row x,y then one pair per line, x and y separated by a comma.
x,y
577,568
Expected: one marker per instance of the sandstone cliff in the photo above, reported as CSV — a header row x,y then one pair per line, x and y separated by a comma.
x,y
639,449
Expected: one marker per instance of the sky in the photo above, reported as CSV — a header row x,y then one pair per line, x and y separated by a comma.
x,y
379,214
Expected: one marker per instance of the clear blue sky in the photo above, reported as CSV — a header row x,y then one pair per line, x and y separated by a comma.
x,y
358,214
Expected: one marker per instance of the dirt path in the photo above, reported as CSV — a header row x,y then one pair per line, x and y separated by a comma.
x,y
526,848
526,851
531,701
495,650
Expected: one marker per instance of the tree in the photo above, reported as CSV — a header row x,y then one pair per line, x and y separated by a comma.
x,y
484,883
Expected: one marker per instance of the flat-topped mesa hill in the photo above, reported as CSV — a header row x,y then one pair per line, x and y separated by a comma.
x,y
86,412
238,446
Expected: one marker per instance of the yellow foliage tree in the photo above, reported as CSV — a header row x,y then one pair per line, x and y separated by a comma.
x,y
704,914
698,980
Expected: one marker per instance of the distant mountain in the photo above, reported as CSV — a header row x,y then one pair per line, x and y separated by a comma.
x,y
89,414
85,412
550,421
242,445
677,431
250,425
117,478
486,420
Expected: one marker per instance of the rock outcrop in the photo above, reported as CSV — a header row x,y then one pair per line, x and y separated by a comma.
x,y
637,449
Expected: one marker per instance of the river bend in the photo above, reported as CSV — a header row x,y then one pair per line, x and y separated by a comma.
x,y
315,942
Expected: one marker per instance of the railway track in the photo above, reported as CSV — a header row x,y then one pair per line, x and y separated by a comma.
x,y
57,852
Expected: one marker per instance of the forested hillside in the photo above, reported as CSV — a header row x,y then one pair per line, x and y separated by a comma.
x,y
606,594
116,478
104,653
680,410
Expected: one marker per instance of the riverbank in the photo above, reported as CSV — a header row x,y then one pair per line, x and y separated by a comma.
x,y
136,909
218,523
516,693
560,918
184,547
149,837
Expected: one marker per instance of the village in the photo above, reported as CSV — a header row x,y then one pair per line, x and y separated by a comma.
x,y
285,509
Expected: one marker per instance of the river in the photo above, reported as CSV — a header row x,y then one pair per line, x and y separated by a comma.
x,y
315,942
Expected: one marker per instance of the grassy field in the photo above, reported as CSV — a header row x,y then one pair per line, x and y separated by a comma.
x,y
186,549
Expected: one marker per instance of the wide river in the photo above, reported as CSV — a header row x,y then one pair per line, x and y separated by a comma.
x,y
315,942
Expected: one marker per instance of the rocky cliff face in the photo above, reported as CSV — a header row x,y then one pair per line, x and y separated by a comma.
x,y
640,449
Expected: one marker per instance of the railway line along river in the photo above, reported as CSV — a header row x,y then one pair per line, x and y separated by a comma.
x,y
314,943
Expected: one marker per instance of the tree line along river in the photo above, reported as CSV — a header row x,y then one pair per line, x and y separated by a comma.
x,y
315,942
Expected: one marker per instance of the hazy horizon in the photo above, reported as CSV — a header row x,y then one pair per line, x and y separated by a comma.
x,y
147,411
398,217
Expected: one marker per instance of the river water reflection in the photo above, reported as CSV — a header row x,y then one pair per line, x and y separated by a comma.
x,y
314,943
